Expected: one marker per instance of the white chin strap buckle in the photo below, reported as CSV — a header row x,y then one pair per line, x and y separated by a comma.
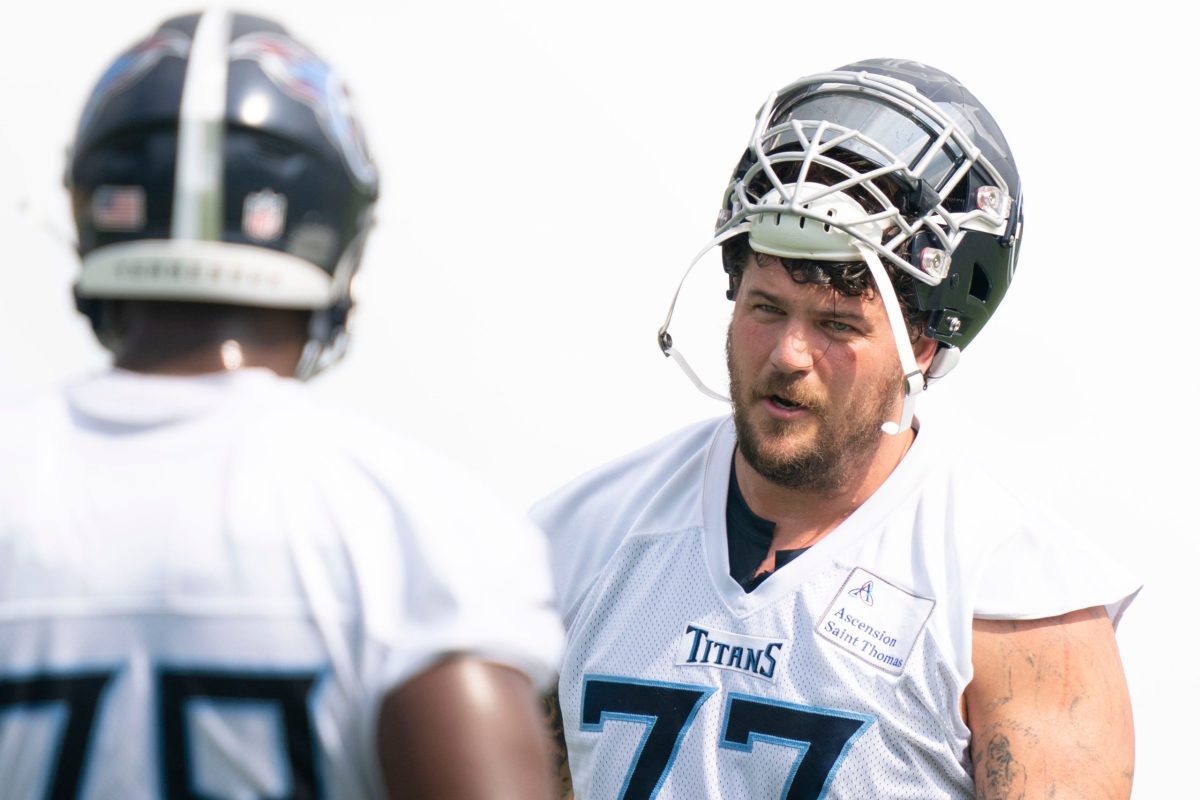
x,y
914,384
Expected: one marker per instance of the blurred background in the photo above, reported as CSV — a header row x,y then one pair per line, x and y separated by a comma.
x,y
549,169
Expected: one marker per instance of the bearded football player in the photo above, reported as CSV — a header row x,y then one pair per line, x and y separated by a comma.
x,y
818,596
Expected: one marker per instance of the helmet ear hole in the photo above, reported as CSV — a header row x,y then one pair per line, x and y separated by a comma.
x,y
981,287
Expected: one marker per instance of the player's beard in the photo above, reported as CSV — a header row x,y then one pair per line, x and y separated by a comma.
x,y
845,440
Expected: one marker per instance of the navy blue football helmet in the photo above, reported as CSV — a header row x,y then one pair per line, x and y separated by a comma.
x,y
219,160
897,156
883,161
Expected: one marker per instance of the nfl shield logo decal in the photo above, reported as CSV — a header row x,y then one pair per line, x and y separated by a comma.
x,y
263,215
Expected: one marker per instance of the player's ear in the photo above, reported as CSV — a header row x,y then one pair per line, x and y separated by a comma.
x,y
923,350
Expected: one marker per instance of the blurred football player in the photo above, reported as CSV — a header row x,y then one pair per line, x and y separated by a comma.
x,y
814,597
209,586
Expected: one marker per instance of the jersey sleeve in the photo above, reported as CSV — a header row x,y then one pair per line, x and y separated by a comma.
x,y
462,572
1034,565
1034,574
436,562
479,583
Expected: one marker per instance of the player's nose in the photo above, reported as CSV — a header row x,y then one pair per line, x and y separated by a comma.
x,y
794,350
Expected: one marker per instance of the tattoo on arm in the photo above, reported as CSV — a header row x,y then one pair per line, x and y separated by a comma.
x,y
1004,777
558,742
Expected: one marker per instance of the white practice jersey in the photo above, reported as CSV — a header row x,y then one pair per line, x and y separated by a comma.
x,y
839,676
207,584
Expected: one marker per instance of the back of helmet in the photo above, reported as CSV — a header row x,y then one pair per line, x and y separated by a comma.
x,y
219,161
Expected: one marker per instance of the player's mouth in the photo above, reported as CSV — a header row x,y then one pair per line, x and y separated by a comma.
x,y
780,406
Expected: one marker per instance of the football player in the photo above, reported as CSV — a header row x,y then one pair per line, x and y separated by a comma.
x,y
209,585
815,597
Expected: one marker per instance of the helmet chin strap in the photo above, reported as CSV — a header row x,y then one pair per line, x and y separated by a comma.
x,y
914,379
667,344
328,338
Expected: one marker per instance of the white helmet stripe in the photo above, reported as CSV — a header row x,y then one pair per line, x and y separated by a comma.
x,y
199,169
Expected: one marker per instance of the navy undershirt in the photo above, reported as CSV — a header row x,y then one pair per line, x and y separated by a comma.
x,y
749,538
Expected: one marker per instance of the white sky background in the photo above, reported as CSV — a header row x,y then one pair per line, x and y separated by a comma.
x,y
550,168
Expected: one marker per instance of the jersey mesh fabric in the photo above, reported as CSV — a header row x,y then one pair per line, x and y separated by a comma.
x,y
632,627
642,546
210,544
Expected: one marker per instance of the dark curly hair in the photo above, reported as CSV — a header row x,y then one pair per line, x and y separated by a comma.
x,y
850,278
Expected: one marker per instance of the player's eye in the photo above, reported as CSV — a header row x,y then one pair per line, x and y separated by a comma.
x,y
837,326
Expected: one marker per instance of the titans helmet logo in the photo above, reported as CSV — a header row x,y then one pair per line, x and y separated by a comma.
x,y
305,78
